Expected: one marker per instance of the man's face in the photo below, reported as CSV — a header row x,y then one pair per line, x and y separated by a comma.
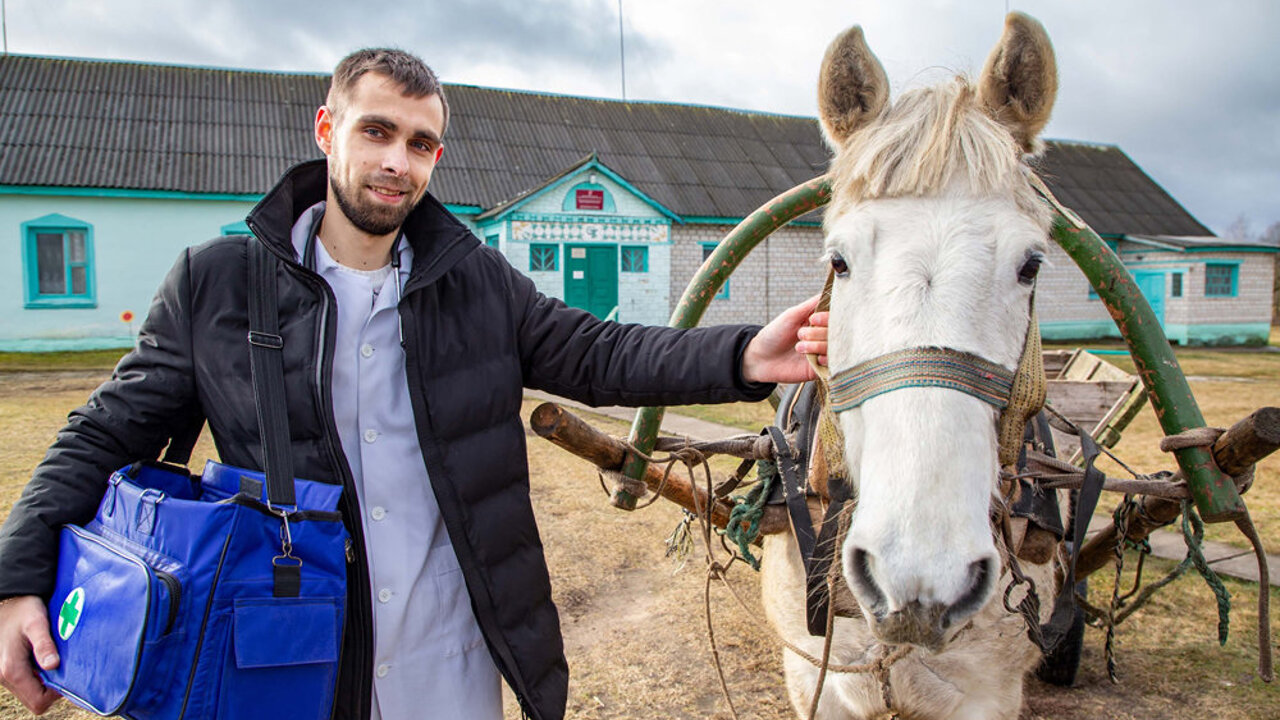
x,y
382,147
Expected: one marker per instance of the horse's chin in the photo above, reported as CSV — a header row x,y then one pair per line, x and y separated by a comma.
x,y
921,625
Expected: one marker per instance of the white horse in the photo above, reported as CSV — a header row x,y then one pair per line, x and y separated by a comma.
x,y
934,235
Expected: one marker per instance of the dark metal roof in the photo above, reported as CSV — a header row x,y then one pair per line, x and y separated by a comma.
x,y
1111,193
108,124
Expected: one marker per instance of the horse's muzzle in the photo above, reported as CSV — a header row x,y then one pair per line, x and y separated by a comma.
x,y
922,623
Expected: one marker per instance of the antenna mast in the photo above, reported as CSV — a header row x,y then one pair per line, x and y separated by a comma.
x,y
622,52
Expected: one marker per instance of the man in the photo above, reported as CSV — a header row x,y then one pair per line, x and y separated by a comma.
x,y
406,346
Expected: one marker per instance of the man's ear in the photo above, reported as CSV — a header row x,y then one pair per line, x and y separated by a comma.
x,y
439,152
324,129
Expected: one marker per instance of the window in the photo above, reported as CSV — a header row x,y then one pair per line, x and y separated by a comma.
x,y
542,258
58,263
1175,287
707,249
1220,280
635,259
491,241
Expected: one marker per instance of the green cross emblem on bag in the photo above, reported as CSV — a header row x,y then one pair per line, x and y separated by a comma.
x,y
69,615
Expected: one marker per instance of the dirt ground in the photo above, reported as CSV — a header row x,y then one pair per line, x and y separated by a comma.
x,y
634,624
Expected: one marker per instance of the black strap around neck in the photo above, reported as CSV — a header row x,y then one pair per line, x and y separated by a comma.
x,y
266,359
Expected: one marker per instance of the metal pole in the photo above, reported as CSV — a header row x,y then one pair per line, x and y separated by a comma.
x,y
706,283
1215,493
622,53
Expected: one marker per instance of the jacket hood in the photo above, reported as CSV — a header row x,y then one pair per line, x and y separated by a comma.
x,y
438,239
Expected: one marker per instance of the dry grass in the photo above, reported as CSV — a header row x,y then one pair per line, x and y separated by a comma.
x,y
634,627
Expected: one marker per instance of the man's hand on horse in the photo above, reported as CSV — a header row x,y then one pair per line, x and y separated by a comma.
x,y
25,640
778,353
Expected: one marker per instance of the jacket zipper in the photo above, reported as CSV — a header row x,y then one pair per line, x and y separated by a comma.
x,y
356,551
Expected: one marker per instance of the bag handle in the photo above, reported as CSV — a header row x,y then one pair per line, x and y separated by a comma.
x,y
266,361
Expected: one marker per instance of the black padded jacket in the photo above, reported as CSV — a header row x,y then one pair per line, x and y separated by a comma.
x,y
475,330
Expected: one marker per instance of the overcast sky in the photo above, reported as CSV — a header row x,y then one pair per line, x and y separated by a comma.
x,y
1189,89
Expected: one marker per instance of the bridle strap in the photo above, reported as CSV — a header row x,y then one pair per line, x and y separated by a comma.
x,y
921,367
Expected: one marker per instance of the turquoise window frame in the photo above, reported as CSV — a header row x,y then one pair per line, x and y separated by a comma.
x,y
57,224
1233,268
707,249
555,257
492,240
643,251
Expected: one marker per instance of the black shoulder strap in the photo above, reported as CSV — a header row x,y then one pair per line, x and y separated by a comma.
x,y
266,359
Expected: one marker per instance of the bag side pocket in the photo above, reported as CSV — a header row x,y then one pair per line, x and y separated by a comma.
x,y
110,607
283,660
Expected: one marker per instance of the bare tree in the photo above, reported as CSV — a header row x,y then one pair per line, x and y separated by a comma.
x,y
1239,229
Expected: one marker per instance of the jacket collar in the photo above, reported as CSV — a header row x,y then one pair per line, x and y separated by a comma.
x,y
438,239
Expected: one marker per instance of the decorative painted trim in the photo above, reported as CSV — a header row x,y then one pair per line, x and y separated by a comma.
x,y
121,193
463,209
557,231
1078,330
596,219
1255,334
1234,248
36,345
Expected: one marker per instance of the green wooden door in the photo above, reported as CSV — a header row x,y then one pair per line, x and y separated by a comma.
x,y
591,278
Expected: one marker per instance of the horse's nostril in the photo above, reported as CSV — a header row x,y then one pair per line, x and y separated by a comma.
x,y
864,585
982,582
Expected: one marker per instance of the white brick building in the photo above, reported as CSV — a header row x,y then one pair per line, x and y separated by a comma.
x,y
109,169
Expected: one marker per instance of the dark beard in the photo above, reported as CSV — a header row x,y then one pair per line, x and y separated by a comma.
x,y
369,218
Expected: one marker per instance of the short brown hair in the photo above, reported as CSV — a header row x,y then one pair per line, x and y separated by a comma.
x,y
406,70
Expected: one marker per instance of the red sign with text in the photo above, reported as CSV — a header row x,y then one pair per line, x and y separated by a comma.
x,y
590,199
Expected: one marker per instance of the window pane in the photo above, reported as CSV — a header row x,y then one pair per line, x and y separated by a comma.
x,y
542,258
1176,290
52,269
75,246
635,259
79,284
1219,280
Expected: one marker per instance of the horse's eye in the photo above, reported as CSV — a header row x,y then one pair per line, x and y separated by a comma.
x,y
839,265
1027,274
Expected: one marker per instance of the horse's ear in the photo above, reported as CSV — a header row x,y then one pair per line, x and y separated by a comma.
x,y
852,87
1020,80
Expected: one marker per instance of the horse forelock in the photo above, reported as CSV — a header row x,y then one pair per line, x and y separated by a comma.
x,y
927,142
